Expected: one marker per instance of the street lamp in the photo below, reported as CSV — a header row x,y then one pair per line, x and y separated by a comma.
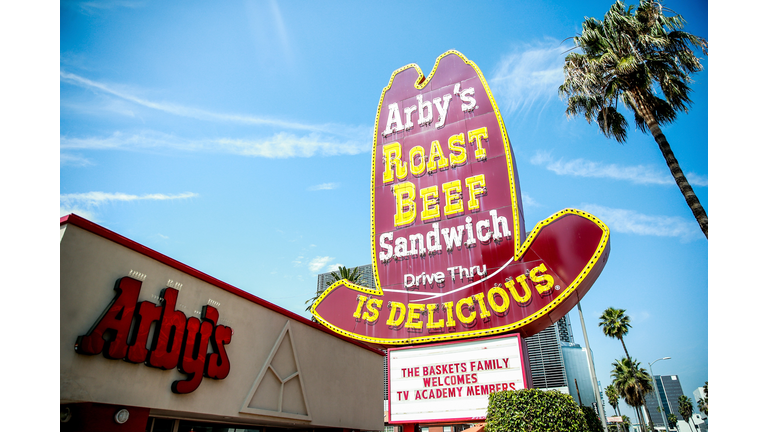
x,y
656,388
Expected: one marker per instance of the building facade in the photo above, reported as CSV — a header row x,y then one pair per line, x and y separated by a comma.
x,y
545,357
578,374
150,344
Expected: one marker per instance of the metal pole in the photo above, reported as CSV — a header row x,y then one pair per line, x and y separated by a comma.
x,y
592,371
658,398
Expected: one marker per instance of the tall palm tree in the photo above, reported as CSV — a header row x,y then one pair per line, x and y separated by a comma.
x,y
632,383
630,56
625,422
613,398
685,408
703,403
615,325
672,420
353,275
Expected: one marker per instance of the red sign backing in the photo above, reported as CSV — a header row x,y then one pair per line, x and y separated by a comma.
x,y
450,256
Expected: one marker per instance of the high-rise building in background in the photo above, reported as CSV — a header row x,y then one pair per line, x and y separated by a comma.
x,y
545,357
670,390
578,374
558,363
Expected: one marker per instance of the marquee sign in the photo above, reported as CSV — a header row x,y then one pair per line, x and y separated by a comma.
x,y
450,256
177,341
452,381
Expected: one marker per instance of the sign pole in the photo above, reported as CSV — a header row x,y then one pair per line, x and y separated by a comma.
x,y
592,371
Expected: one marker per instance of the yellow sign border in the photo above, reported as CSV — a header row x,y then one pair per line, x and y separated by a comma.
x,y
420,84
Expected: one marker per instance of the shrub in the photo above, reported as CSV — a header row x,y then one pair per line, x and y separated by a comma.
x,y
533,410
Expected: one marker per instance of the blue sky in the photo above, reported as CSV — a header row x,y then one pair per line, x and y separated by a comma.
x,y
235,137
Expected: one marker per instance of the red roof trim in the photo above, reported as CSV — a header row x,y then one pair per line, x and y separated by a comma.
x,y
99,230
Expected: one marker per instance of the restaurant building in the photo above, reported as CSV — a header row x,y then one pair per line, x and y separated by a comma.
x,y
150,344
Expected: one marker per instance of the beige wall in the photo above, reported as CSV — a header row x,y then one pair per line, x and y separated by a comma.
x,y
342,382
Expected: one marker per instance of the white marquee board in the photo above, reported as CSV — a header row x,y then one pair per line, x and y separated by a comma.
x,y
451,381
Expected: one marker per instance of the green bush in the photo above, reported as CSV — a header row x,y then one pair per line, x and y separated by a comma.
x,y
533,410
593,421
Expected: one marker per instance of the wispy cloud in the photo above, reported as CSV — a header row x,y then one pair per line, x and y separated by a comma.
x,y
98,198
191,112
637,174
528,76
285,145
80,211
282,34
317,263
89,7
279,145
74,160
333,267
529,202
86,204
271,35
324,186
632,222
310,140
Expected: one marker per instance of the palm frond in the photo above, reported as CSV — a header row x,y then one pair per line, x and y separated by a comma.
x,y
612,124
626,56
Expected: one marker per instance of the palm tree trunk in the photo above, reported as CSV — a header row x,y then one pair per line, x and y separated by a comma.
x,y
690,196
674,167
625,348
639,419
618,413
623,426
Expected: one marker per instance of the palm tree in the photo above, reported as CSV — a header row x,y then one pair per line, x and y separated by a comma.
x,y
613,398
685,408
630,57
672,420
615,325
632,383
703,403
353,275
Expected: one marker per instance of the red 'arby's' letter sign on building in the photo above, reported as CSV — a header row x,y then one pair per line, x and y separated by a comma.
x,y
450,255
177,341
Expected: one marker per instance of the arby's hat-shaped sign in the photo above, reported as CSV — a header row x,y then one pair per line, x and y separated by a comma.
x,y
450,253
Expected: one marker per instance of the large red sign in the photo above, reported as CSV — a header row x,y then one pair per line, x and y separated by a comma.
x,y
450,255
